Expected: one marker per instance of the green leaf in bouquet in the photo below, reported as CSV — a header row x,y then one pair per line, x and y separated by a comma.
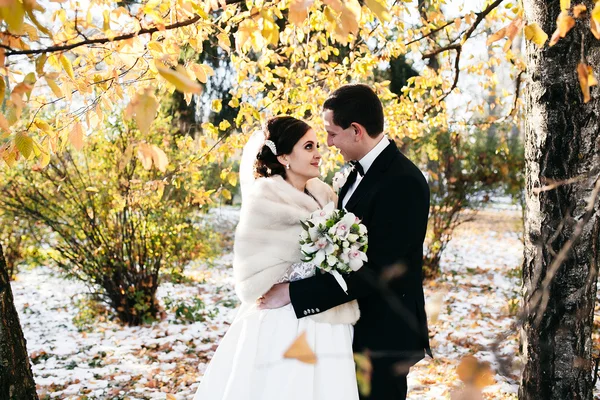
x,y
330,223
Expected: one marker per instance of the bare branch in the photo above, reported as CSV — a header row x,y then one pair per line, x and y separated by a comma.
x,y
454,84
458,47
539,300
54,49
554,184
433,53
431,32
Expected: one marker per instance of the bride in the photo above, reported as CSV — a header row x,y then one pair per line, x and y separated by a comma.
x,y
279,189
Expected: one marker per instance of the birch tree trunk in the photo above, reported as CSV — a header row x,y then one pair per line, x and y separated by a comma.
x,y
561,143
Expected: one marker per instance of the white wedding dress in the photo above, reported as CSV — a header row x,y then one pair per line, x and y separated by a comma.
x,y
249,363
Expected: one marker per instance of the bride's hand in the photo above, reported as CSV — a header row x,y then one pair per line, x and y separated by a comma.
x,y
277,297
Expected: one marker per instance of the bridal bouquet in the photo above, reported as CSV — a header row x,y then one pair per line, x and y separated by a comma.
x,y
335,241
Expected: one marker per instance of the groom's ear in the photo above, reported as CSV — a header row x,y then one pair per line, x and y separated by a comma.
x,y
359,131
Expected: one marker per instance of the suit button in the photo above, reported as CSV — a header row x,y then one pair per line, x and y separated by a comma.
x,y
317,310
312,311
305,312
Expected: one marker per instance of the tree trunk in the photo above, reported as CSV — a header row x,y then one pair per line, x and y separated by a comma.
x,y
561,142
16,378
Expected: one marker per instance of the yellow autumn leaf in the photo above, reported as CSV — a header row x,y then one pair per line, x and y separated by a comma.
x,y
298,11
159,158
564,23
595,20
144,106
472,371
226,194
202,71
496,36
24,144
144,154
14,16
224,125
156,47
512,30
587,79
578,10
67,66
216,105
179,79
39,64
92,189
565,5
76,136
232,178
270,31
4,125
54,87
43,160
7,3
224,41
235,102
35,21
379,8
364,372
336,5
350,17
535,34
43,125
300,350
246,30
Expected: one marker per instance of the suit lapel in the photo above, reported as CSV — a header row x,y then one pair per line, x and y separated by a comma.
x,y
349,182
373,175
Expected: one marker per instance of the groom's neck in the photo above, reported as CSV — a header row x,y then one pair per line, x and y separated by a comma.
x,y
369,144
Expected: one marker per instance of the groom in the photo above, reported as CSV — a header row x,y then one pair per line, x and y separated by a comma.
x,y
391,197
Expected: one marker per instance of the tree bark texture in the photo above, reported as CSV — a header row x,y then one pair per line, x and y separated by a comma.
x,y
16,378
561,143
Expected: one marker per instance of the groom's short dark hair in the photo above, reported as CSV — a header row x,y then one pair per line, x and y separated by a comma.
x,y
356,103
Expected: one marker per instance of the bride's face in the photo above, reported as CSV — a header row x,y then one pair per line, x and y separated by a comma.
x,y
305,157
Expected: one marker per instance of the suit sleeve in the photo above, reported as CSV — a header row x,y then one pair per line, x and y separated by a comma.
x,y
397,226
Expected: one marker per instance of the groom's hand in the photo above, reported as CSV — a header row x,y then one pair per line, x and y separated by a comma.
x,y
278,296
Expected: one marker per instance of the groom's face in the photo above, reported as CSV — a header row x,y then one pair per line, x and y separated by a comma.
x,y
343,139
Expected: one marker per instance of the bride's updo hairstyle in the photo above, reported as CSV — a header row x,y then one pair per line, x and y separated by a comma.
x,y
284,132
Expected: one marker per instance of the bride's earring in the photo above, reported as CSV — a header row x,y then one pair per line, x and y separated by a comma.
x,y
287,166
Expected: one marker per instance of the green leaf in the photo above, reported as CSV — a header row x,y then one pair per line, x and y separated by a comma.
x,y
24,144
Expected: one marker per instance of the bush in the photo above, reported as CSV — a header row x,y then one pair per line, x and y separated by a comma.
x,y
190,311
117,223
464,169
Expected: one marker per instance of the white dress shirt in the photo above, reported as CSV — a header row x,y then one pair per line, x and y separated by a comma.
x,y
366,163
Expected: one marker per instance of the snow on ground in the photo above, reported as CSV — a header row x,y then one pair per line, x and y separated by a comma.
x,y
473,299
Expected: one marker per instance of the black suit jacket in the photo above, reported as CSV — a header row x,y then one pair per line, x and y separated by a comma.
x,y
392,200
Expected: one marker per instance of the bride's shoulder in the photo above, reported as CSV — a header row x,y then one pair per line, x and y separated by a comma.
x,y
265,185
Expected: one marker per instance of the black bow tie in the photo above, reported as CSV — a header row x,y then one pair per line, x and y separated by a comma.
x,y
358,167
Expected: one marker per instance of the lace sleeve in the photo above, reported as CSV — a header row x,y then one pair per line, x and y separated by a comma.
x,y
297,272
